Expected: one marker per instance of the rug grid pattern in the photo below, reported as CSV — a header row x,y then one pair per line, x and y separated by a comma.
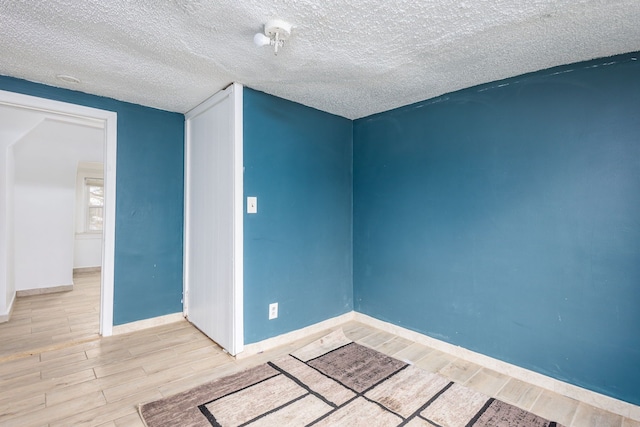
x,y
336,382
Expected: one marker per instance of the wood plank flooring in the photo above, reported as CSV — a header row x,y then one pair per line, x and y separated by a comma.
x,y
101,381
45,321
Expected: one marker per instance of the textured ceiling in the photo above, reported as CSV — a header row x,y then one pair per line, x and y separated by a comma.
x,y
348,58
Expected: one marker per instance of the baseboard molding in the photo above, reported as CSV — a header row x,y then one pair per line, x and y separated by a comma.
x,y
7,316
87,270
589,397
289,337
592,398
42,291
147,323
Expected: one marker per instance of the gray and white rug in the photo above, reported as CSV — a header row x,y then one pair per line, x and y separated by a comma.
x,y
335,382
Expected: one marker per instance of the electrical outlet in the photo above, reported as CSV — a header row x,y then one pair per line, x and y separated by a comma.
x,y
273,311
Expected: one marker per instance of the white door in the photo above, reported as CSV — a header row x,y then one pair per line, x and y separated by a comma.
x,y
213,218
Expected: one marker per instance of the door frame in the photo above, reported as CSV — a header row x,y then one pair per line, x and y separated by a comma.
x,y
234,92
110,120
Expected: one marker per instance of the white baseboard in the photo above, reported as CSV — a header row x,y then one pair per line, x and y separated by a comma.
x,y
87,270
5,317
289,337
589,397
147,323
42,291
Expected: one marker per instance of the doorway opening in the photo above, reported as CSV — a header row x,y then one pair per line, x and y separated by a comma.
x,y
27,113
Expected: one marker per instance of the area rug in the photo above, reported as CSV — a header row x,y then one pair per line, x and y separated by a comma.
x,y
335,382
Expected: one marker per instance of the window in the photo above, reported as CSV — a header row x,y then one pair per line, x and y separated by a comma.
x,y
94,196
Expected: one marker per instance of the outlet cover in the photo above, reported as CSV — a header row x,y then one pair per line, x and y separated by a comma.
x,y
273,311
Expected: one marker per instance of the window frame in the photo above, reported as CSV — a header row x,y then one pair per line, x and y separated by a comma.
x,y
89,182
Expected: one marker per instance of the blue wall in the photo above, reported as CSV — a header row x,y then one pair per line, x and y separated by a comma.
x,y
505,219
297,248
149,203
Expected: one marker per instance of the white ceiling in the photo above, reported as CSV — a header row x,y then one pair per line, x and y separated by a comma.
x,y
350,58
48,155
16,122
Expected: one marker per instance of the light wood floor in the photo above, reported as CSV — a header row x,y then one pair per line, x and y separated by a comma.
x,y
43,321
101,381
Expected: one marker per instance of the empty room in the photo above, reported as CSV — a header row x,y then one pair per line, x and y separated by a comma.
x,y
330,214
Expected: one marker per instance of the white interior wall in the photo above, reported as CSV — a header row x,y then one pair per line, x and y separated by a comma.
x,y
13,125
10,267
87,251
46,162
6,231
44,236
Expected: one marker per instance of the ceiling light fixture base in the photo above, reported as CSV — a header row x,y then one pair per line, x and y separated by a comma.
x,y
278,27
276,31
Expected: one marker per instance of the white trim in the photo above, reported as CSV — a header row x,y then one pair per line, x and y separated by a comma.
x,y
107,120
43,291
7,316
109,228
186,223
589,397
209,102
289,337
148,323
238,224
86,270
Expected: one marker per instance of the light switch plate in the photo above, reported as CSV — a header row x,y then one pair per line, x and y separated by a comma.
x,y
252,205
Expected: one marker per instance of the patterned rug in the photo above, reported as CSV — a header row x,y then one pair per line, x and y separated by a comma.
x,y
335,382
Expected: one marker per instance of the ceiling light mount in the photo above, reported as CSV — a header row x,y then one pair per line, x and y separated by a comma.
x,y
276,31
